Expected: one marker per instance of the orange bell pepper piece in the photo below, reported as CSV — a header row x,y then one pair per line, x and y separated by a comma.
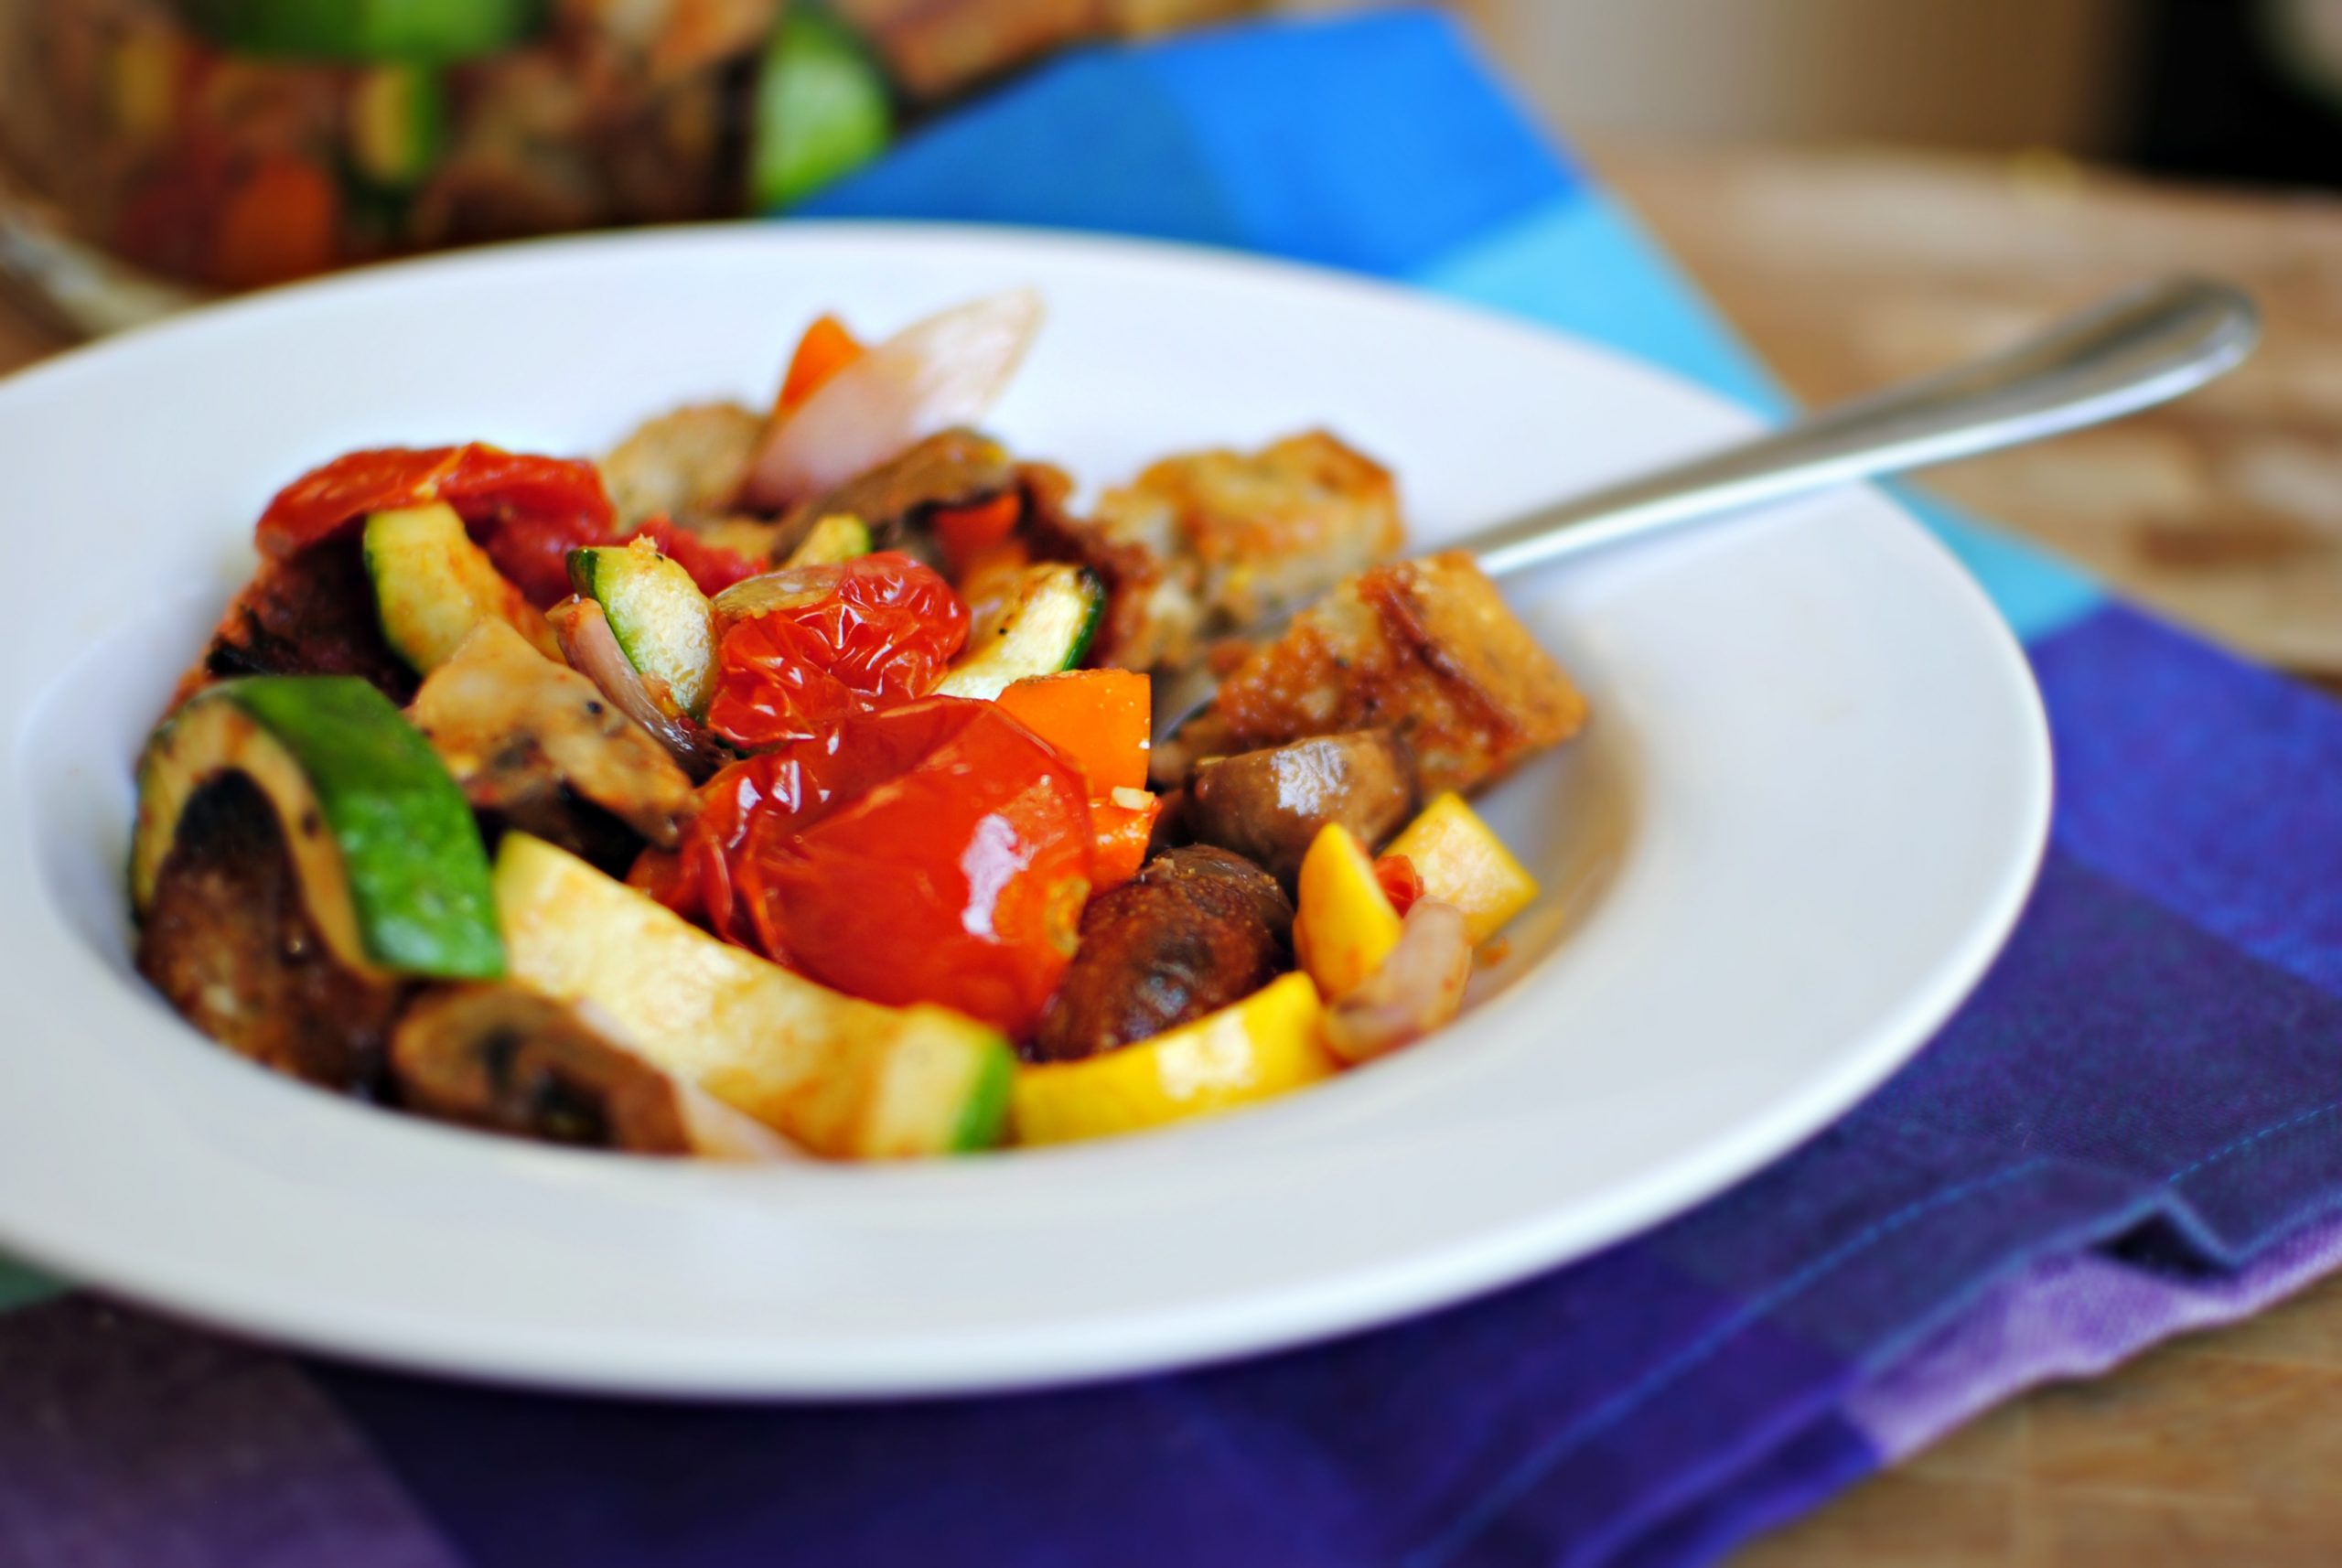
x,y
826,349
1100,719
1122,832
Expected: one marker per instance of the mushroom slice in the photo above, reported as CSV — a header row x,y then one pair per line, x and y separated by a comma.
x,y
523,735
507,1060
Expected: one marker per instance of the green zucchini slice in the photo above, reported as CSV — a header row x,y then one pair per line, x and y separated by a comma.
x,y
433,586
833,539
1043,625
844,1077
384,849
662,620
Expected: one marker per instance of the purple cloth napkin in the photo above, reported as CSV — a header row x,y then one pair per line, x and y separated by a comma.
x,y
2130,1130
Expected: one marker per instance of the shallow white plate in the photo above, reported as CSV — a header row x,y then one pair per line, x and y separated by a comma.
x,y
1802,823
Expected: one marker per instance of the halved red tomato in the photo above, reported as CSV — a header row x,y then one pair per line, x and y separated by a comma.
x,y
934,851
803,648
527,512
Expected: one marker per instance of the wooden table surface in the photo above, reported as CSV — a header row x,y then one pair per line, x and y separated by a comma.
x,y
1851,269
1847,270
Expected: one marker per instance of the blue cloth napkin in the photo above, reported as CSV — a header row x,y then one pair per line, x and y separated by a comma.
x,y
2130,1128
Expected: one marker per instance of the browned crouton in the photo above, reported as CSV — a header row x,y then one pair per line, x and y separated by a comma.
x,y
1202,544
1426,647
686,464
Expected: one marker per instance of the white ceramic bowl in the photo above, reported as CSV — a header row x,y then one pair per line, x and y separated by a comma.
x,y
1799,826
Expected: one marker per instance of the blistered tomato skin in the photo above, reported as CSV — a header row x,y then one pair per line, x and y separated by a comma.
x,y
526,512
857,636
713,567
934,851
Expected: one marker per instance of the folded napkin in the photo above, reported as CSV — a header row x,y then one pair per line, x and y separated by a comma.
x,y
2130,1130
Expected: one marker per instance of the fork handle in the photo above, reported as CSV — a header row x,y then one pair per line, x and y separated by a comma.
x,y
2139,349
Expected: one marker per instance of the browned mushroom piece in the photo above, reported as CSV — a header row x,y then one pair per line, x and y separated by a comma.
x,y
1199,928
503,1059
229,941
538,744
956,468
1269,806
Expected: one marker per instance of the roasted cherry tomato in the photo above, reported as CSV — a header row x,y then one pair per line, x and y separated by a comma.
x,y
935,852
712,567
811,645
527,512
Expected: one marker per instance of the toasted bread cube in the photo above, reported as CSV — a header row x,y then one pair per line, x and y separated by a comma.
x,y
1234,537
1426,647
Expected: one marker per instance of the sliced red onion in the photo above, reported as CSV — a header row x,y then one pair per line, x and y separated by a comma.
x,y
592,650
940,373
1418,988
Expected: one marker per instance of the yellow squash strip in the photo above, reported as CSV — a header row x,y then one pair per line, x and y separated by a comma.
x,y
1345,926
846,1079
1267,1044
1462,862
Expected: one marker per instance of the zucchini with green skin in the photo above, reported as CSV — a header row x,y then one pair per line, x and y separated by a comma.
x,y
833,539
841,1078
440,31
383,846
433,586
1043,624
662,620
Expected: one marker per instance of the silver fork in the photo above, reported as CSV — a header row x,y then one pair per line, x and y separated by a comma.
x,y
2138,349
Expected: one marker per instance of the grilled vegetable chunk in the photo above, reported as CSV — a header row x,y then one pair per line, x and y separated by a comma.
x,y
433,586
661,619
1267,1044
530,739
956,468
507,1060
1270,806
1199,928
300,855
1427,648
308,614
843,1079
383,843
227,937
1042,625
